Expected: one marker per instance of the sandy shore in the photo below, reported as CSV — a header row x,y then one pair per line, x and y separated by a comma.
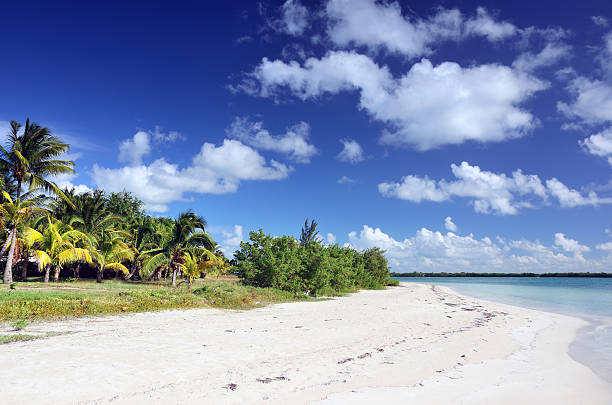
x,y
409,344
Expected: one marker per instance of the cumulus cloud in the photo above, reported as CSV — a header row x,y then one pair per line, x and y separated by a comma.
x,y
454,104
434,251
599,144
214,170
450,225
293,143
132,150
592,100
351,151
489,192
381,25
569,245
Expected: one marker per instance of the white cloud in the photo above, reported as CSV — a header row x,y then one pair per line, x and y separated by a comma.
x,y
132,151
66,181
605,246
434,251
427,107
569,245
599,144
231,240
294,142
449,224
294,17
415,189
381,25
592,97
351,151
570,198
331,239
489,192
345,180
550,55
592,102
214,170
486,26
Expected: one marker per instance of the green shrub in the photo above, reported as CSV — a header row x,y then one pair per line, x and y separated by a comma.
x,y
315,269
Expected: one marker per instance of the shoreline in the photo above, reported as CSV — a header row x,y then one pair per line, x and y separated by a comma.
x,y
412,342
578,348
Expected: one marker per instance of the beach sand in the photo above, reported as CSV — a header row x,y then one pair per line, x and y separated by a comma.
x,y
409,344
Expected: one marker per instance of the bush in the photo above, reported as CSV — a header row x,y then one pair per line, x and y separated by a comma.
x,y
285,264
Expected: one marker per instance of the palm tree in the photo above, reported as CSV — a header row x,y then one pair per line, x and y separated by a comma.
x,y
185,239
16,212
30,156
111,252
144,237
58,244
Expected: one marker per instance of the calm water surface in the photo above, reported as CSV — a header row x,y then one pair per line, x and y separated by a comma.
x,y
588,298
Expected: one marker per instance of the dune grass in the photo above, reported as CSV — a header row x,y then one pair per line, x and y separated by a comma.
x,y
35,300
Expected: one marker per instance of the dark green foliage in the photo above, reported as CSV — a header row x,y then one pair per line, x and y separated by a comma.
x,y
309,233
312,268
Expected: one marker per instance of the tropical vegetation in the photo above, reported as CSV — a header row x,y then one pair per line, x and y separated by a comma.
x,y
52,234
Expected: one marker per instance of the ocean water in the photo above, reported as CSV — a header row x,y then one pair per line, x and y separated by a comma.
x,y
587,298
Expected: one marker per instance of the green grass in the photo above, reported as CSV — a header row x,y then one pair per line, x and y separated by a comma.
x,y
18,338
35,300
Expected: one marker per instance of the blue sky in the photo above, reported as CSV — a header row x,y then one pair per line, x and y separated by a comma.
x,y
453,135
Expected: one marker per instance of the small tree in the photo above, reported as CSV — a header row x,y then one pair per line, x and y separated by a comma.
x,y
309,233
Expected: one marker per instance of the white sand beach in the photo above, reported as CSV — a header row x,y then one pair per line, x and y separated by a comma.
x,y
409,344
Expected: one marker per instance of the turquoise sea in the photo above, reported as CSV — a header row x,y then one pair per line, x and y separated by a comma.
x,y
588,298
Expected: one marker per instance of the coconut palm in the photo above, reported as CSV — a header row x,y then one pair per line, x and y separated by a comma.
x,y
111,251
188,236
15,213
109,248
58,244
145,236
30,156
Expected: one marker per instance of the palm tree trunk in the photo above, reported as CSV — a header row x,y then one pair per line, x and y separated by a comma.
x,y
6,245
8,269
46,279
135,268
24,269
174,277
100,275
77,270
56,273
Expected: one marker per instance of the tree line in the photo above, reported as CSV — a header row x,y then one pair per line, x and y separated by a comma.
x,y
46,229
61,233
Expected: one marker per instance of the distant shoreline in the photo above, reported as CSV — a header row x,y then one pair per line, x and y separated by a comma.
x,y
576,275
